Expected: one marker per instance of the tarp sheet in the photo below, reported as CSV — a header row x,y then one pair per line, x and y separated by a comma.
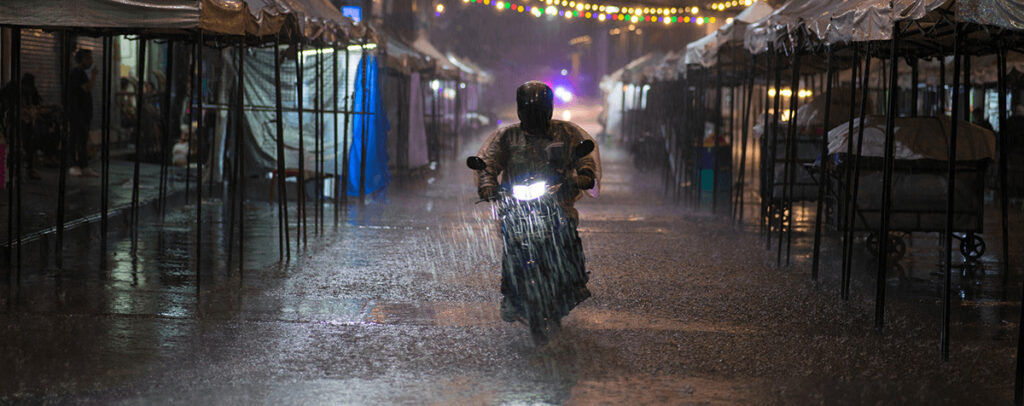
x,y
811,116
837,21
402,56
318,20
765,30
917,138
260,91
868,20
370,128
1002,13
641,69
442,64
704,51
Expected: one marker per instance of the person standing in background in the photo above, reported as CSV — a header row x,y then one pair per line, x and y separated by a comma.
x,y
79,111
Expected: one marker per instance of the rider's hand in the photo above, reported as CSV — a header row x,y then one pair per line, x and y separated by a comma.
x,y
486,192
585,180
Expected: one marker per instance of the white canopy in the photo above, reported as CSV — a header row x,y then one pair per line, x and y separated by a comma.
x,y
424,46
837,21
704,51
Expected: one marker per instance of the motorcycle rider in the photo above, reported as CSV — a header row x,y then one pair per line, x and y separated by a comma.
x,y
538,144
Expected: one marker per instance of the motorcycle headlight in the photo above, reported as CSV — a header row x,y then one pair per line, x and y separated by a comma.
x,y
529,192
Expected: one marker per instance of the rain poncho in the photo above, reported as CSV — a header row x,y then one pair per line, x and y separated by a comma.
x,y
512,152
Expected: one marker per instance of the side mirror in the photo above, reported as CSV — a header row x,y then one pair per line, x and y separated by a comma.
x,y
475,163
584,149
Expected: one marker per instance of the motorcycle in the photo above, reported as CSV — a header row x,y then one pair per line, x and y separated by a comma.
x,y
542,256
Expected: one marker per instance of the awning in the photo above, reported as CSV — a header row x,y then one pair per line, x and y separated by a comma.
x,y
704,51
870,20
402,56
471,71
317,21
835,22
1004,13
642,68
443,67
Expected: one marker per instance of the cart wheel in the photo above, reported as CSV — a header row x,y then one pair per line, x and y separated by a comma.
x,y
972,247
897,246
871,243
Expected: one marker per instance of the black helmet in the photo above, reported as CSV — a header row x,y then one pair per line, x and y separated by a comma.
x,y
535,102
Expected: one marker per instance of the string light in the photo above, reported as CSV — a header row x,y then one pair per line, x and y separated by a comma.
x,y
722,6
603,12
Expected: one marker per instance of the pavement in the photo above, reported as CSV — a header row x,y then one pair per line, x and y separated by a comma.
x,y
83,196
399,305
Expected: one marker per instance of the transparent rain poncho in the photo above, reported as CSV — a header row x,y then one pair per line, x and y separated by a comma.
x,y
511,152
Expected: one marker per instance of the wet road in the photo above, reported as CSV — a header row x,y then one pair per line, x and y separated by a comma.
x,y
400,306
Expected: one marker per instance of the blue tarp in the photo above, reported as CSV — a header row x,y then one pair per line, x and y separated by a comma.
x,y
375,124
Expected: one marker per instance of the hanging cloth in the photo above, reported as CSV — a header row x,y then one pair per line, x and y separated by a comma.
x,y
370,129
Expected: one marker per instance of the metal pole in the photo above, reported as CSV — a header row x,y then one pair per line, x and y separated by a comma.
x,y
139,100
322,136
232,172
301,215
843,218
108,62
197,103
344,148
748,103
942,87
967,87
732,133
284,245
16,76
890,140
1019,376
763,161
791,157
334,86
819,213
188,155
950,197
317,143
65,149
852,203
914,81
12,164
773,147
165,137
240,149
717,135
681,141
1003,141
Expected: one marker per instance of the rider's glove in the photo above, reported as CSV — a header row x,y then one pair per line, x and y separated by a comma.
x,y
486,192
584,179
